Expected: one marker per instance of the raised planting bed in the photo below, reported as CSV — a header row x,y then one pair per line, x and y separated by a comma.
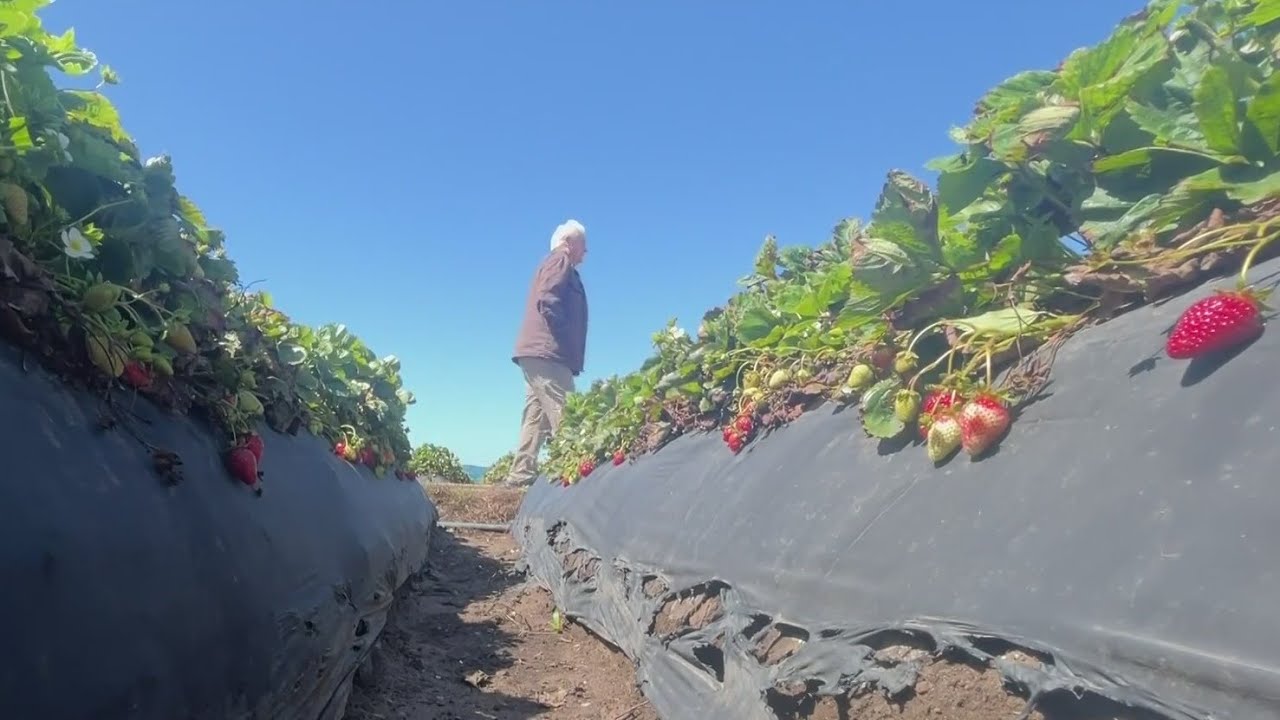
x,y
1113,557
132,598
186,534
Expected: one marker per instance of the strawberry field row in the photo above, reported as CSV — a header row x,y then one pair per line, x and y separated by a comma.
x,y
114,278
1130,172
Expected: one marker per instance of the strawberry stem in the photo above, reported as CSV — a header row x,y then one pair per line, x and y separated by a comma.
x,y
922,333
948,356
1253,254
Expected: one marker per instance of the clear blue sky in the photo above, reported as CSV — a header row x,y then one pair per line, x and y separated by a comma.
x,y
399,165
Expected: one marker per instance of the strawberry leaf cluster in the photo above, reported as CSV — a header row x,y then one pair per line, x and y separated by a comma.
x,y
1134,170
114,278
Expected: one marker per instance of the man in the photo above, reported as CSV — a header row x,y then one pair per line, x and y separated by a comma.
x,y
551,345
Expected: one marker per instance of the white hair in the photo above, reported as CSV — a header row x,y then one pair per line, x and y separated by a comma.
x,y
566,230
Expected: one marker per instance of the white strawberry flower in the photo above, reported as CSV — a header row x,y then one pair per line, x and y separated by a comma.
x,y
76,245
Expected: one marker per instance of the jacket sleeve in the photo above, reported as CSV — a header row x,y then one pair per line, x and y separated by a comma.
x,y
552,280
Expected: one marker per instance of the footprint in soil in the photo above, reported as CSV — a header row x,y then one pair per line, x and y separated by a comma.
x,y
474,641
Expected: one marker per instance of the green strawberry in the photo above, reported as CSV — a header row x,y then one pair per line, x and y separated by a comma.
x,y
861,376
906,405
162,365
944,436
905,362
140,339
16,204
105,355
179,338
248,402
780,377
101,297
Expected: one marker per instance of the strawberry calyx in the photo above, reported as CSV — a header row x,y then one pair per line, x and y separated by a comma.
x,y
939,398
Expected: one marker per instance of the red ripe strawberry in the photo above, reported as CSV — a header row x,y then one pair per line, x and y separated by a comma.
x,y
340,449
253,441
735,444
936,400
243,465
619,457
585,468
743,424
982,421
728,432
1216,323
136,374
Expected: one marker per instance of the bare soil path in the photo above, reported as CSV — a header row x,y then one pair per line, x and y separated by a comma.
x,y
470,640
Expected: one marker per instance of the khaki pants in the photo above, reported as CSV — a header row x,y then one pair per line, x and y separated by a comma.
x,y
547,384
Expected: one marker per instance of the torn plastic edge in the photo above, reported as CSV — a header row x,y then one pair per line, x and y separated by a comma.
x,y
1038,685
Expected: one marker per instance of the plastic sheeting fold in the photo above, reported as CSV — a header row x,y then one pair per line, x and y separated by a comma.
x,y
125,598
1126,531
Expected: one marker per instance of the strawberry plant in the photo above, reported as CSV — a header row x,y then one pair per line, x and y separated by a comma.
x,y
1135,169
436,462
115,279
498,471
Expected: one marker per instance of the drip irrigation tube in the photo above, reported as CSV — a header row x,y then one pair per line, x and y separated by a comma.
x,y
491,527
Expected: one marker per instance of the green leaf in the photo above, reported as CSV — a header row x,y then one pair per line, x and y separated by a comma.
x,y
19,134
999,324
19,18
756,324
1012,94
1143,157
962,186
1216,110
863,307
1166,125
961,250
1263,13
907,204
1251,193
94,109
1262,119
878,418
292,354
1005,254
1101,77
100,156
1052,119
1107,232
191,213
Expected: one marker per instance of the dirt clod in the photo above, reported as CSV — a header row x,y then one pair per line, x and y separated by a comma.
x,y
691,611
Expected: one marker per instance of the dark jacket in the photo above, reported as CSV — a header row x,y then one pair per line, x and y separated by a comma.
x,y
555,315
